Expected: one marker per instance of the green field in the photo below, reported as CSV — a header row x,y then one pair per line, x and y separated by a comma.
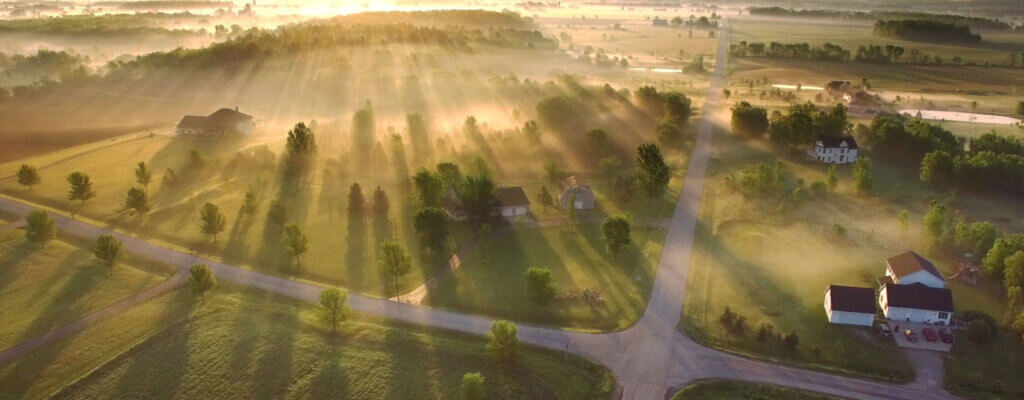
x,y
736,390
491,282
987,370
250,345
42,289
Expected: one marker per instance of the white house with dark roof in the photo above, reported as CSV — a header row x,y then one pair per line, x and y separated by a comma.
x,y
909,268
221,122
916,303
850,305
834,150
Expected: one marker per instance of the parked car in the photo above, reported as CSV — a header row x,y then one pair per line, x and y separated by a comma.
x,y
885,330
946,335
911,336
929,334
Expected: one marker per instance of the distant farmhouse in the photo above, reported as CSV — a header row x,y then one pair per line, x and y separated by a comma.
x,y
858,102
834,150
584,196
512,203
220,123
912,290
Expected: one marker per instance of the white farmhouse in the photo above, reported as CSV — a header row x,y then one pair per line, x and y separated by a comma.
x,y
834,150
850,305
916,303
910,268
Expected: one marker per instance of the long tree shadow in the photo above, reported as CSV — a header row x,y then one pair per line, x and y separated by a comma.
x,y
67,303
330,381
273,365
235,248
356,256
12,263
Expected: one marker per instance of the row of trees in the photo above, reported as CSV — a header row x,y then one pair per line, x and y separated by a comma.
x,y
869,53
802,124
926,30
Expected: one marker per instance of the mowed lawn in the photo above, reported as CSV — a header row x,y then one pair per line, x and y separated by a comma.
x,y
737,390
987,370
491,280
44,288
249,345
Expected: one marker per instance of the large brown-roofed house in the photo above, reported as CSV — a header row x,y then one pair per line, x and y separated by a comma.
x,y
909,268
221,122
850,305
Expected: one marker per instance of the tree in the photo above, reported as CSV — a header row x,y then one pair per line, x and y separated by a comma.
x,y
137,200
395,261
363,129
381,206
935,222
539,285
597,138
201,279
677,107
39,227
615,231
429,188
1020,109
904,218
332,307
432,226
301,142
831,179
862,176
544,197
532,131
609,166
250,204
938,168
479,199
668,133
143,175
995,261
450,174
979,331
976,237
502,341
108,250
651,172
294,241
81,187
795,128
28,176
1013,274
554,172
748,120
473,386
212,221
356,202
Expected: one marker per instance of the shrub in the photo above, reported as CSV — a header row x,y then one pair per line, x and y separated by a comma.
x,y
979,331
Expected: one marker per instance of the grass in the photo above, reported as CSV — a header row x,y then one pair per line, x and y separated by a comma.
x,y
44,288
243,344
987,370
736,390
491,282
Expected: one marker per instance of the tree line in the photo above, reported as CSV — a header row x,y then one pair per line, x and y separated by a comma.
x,y
869,53
925,30
976,22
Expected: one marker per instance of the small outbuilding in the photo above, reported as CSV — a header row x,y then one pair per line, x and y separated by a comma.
x,y
512,202
584,196
850,305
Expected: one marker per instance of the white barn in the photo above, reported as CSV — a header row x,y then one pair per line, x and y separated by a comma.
x,y
909,268
849,305
916,303
834,150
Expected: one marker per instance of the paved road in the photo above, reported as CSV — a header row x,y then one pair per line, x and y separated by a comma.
x,y
648,360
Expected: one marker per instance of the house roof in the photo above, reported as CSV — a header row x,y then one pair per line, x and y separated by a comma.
x,y
572,182
220,118
192,122
909,263
837,141
512,196
852,299
862,98
919,297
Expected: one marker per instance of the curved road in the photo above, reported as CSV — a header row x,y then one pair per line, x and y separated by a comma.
x,y
648,360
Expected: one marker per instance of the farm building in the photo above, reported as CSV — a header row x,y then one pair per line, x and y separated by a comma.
x,y
584,196
850,305
221,122
916,303
860,103
834,150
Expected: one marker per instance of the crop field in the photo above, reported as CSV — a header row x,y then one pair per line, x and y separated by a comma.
x,y
44,288
248,345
